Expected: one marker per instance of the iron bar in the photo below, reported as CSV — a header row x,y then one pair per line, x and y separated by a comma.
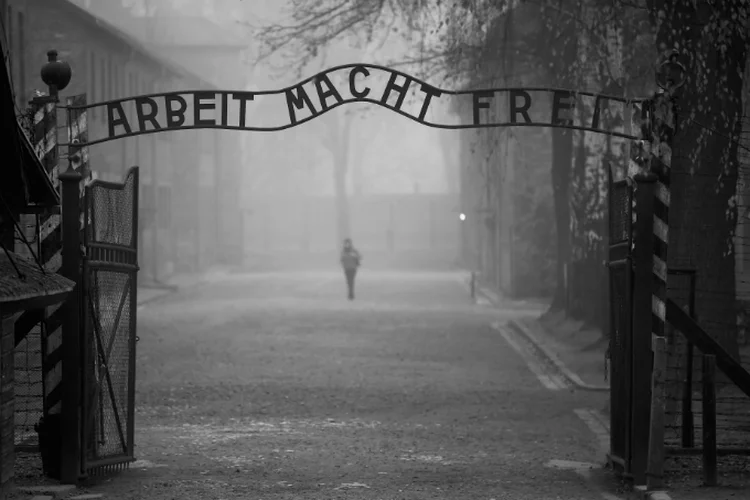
x,y
709,419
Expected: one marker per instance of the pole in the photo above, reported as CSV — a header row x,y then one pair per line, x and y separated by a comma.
x,y
660,166
709,420
662,135
154,201
655,470
57,75
642,321
71,385
688,421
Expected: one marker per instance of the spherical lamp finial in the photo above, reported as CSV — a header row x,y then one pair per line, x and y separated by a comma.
x,y
56,74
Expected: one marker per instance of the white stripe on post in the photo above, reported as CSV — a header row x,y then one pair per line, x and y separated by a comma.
x,y
663,129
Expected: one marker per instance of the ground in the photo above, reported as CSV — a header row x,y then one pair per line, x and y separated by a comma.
x,y
275,386
582,351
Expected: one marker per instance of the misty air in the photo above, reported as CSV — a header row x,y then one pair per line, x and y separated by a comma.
x,y
429,250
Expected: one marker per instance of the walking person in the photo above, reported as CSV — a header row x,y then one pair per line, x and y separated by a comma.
x,y
350,261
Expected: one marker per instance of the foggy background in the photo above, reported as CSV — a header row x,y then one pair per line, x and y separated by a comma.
x,y
401,180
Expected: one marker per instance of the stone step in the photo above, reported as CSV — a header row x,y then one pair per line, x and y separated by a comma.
x,y
50,491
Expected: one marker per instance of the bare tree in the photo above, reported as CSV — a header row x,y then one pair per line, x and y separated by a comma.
x,y
711,39
470,37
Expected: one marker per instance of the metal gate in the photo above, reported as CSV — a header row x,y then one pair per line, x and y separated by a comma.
x,y
109,323
621,310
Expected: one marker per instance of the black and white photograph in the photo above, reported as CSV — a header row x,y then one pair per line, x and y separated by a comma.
x,y
375,250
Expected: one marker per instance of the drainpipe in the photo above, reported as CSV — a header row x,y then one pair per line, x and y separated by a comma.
x,y
155,186
219,160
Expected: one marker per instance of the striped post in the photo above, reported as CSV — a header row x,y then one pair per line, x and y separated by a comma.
x,y
77,158
44,140
50,255
78,133
44,229
661,159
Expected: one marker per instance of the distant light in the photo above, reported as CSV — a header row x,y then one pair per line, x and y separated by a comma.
x,y
462,216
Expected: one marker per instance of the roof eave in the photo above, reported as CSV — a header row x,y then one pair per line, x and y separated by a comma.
x,y
135,44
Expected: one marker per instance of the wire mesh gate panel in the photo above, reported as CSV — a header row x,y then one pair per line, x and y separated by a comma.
x,y
620,341
109,305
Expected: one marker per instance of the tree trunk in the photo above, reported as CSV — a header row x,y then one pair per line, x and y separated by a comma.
x,y
562,158
562,36
705,163
703,219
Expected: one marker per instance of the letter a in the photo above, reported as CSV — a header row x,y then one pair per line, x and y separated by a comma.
x,y
121,119
298,101
325,94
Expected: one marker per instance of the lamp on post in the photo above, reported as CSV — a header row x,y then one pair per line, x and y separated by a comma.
x,y
57,75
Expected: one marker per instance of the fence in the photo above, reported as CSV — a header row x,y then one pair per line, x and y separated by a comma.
x,y
28,391
683,422
41,231
708,289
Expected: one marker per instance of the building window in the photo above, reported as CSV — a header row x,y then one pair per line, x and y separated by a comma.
x,y
163,208
116,93
112,90
21,60
133,83
103,79
92,84
133,90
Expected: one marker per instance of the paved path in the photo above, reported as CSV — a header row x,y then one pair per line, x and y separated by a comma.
x,y
274,386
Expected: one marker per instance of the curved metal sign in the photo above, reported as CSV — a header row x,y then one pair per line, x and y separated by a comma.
x,y
273,110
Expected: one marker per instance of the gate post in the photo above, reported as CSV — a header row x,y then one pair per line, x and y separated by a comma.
x,y
660,162
71,269
645,185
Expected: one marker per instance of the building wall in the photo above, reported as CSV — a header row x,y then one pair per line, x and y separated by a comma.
x,y
7,401
16,25
107,67
218,63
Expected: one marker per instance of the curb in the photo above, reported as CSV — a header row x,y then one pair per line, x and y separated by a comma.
x,y
638,492
572,377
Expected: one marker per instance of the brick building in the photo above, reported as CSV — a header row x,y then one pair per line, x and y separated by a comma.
x,y
107,64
